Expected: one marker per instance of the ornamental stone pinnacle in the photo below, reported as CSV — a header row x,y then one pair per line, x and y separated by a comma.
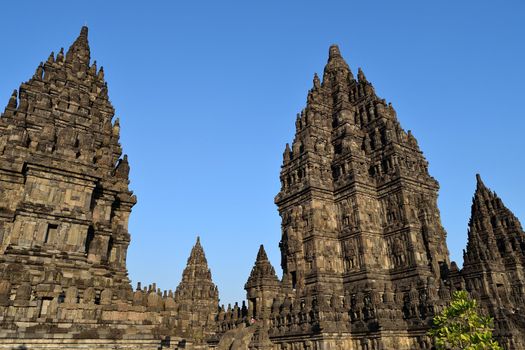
x,y
198,295
494,263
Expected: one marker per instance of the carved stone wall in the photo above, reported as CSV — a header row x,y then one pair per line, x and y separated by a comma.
x,y
363,252
64,210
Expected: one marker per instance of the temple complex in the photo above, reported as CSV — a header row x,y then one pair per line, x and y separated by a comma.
x,y
363,252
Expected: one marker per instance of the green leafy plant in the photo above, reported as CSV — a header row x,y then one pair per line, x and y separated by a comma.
x,y
461,327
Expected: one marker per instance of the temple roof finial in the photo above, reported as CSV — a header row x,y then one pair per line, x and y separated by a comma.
x,y
480,186
197,252
122,169
334,51
13,100
84,32
262,272
478,179
317,81
336,65
361,75
79,50
261,255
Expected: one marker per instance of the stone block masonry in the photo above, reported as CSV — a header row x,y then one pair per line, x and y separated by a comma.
x,y
363,252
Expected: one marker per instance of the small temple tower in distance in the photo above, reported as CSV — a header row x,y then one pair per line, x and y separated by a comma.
x,y
197,297
262,287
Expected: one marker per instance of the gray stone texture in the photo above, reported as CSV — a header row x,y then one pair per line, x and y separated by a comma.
x,y
363,252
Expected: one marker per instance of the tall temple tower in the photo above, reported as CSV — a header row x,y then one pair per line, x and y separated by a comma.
x,y
358,206
360,223
65,195
64,209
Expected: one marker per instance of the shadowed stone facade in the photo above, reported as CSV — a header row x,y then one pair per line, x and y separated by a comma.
x,y
64,212
363,252
493,269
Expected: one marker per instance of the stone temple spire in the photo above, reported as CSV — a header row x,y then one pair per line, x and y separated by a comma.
x,y
58,127
196,272
263,273
262,286
358,205
335,60
494,260
493,268
197,295
77,123
79,52
336,68
494,231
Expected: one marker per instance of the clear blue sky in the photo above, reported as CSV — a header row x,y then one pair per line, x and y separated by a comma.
x,y
207,94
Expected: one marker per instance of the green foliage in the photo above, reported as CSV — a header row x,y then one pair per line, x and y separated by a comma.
x,y
460,327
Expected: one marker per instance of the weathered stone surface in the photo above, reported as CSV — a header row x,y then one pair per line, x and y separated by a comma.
x,y
363,252
64,212
197,298
493,269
